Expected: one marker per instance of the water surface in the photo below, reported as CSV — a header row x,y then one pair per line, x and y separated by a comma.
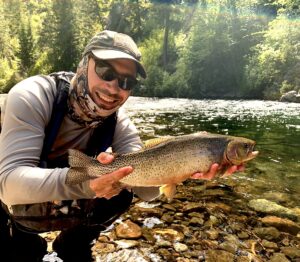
x,y
274,125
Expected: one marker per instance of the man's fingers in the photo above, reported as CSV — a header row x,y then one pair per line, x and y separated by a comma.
x,y
230,171
209,175
105,158
121,172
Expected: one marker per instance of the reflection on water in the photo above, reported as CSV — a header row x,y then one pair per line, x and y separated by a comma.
x,y
274,125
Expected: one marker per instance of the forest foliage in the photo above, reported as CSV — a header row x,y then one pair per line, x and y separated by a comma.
x,y
194,48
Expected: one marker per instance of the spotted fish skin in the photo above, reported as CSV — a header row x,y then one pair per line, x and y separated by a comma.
x,y
167,161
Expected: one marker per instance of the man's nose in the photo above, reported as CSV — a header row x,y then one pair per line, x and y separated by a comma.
x,y
113,86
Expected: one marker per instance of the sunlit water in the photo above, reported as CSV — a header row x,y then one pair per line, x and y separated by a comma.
x,y
274,125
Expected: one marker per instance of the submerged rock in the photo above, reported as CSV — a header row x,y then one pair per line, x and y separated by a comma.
x,y
218,255
269,233
282,224
272,208
168,234
128,230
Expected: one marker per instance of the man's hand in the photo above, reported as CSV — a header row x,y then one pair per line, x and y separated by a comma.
x,y
108,185
213,171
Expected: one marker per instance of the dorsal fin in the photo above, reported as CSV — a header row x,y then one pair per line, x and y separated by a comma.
x,y
156,141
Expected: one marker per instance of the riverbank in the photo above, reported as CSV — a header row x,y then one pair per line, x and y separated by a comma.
x,y
206,221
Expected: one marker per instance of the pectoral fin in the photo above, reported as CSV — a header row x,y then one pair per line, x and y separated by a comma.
x,y
147,193
169,191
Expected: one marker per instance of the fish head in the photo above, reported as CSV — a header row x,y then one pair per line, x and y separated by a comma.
x,y
240,150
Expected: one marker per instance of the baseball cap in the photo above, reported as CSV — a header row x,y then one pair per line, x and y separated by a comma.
x,y
113,45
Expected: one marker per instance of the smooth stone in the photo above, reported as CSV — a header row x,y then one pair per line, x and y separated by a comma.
x,y
168,218
269,244
168,234
282,224
169,207
278,257
291,252
218,255
196,221
272,208
193,206
229,247
128,230
212,234
218,206
179,247
103,247
125,243
269,233
243,235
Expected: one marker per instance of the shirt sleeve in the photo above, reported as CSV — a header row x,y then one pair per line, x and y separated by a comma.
x,y
126,138
28,111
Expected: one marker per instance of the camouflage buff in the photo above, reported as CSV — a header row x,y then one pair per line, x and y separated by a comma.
x,y
82,109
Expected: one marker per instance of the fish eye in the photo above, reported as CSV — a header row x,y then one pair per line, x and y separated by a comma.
x,y
246,146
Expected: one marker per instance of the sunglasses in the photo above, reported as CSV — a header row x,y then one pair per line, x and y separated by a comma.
x,y
106,72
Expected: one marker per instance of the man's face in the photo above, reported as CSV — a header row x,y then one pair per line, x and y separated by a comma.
x,y
108,94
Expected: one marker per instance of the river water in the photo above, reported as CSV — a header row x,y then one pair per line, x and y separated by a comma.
x,y
275,126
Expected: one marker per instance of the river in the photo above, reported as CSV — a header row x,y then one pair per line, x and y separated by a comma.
x,y
275,126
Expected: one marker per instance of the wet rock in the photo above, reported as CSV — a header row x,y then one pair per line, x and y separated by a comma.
x,y
243,235
179,247
207,244
218,255
128,255
182,228
169,207
163,243
212,234
168,234
168,218
272,208
218,206
212,221
147,234
278,257
166,254
100,247
148,211
285,242
291,252
269,233
151,222
282,224
291,96
196,214
213,192
268,244
190,207
124,243
128,230
277,197
196,221
229,247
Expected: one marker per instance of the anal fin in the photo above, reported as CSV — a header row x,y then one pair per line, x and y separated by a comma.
x,y
169,191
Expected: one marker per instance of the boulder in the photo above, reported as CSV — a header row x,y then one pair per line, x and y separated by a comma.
x,y
291,96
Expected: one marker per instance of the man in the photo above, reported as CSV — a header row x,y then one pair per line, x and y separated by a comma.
x,y
34,195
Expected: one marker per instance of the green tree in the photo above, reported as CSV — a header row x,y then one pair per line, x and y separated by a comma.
x,y
274,67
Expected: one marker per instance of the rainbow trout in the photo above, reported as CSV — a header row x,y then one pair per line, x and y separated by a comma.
x,y
166,161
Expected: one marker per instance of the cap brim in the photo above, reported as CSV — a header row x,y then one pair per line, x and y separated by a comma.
x,y
115,54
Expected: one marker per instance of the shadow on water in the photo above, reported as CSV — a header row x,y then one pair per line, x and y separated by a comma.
x,y
274,126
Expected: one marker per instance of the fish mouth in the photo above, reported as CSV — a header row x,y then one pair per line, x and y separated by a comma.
x,y
252,155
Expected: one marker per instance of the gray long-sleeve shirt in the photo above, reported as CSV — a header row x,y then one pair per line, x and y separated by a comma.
x,y
28,111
